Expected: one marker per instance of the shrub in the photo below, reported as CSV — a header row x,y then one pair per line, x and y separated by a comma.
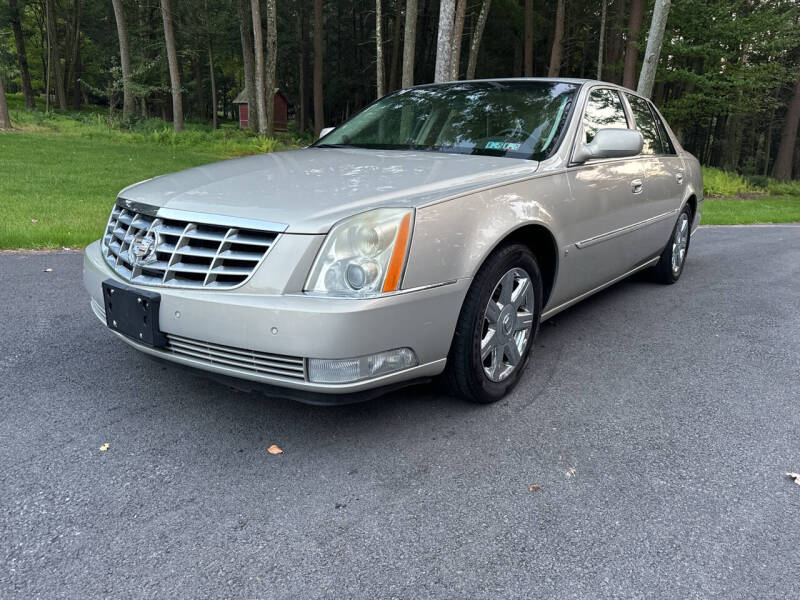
x,y
265,144
717,182
783,188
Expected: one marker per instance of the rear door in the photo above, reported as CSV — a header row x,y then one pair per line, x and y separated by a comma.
x,y
663,177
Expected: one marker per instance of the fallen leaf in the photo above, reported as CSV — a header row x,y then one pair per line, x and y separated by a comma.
x,y
34,220
104,447
274,449
570,472
533,487
795,476
48,270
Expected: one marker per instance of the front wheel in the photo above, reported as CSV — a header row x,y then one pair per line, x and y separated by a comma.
x,y
670,266
496,327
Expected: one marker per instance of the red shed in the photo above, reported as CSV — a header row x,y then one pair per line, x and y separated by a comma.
x,y
281,110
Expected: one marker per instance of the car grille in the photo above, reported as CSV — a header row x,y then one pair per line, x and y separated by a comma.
x,y
252,361
175,253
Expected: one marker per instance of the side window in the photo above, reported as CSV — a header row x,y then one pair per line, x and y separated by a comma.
x,y
666,142
645,124
603,111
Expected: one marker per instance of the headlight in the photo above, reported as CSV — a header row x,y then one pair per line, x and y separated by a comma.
x,y
364,255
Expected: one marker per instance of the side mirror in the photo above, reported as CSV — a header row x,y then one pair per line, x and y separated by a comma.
x,y
325,131
610,143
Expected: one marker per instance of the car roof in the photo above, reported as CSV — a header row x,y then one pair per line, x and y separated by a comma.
x,y
573,80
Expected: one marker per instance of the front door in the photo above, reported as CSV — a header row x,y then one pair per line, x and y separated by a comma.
x,y
606,199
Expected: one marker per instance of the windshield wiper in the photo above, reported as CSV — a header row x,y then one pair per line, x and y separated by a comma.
x,y
335,146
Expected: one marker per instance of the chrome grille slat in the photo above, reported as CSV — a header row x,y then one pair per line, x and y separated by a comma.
x,y
290,360
185,254
238,357
247,360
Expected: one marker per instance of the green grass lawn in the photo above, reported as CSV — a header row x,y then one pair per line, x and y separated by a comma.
x,y
60,173
746,211
58,190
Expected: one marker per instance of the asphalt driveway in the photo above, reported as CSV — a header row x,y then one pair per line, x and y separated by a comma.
x,y
657,423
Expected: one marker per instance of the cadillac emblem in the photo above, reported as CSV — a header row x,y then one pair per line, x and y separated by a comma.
x,y
142,250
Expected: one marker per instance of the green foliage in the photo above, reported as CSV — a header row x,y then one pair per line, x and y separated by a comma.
x,y
61,171
265,144
717,182
93,122
727,71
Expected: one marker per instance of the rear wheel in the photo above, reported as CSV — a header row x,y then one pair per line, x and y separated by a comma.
x,y
670,266
496,327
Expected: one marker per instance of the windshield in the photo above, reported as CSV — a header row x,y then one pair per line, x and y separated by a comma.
x,y
517,119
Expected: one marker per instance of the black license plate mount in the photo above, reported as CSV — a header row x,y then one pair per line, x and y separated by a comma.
x,y
133,313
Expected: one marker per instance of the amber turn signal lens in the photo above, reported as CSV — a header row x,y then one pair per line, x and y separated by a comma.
x,y
398,260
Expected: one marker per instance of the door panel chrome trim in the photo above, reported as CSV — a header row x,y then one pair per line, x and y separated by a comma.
x,y
623,230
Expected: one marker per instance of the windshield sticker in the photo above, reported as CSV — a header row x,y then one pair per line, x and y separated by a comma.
x,y
503,145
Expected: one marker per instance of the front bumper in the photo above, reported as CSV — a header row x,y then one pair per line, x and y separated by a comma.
x,y
296,325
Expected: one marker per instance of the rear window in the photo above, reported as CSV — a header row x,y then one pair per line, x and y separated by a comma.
x,y
645,124
666,143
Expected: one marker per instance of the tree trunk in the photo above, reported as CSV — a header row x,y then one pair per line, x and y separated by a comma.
x,y
528,47
174,68
444,41
379,49
249,59
199,89
458,34
602,40
5,120
272,58
558,42
22,56
47,78
301,77
409,40
782,169
611,62
73,73
213,84
211,76
124,60
397,33
258,44
55,55
319,108
631,49
654,39
734,132
475,45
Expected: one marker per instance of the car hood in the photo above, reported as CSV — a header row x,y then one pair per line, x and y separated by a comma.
x,y
311,189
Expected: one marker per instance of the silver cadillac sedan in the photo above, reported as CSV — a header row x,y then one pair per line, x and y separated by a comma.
x,y
428,236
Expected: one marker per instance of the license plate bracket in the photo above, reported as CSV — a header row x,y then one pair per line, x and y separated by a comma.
x,y
133,313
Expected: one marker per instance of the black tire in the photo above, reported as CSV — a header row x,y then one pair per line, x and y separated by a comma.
x,y
464,375
663,271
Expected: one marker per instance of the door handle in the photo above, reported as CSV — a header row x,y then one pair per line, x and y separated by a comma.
x,y
637,186
679,178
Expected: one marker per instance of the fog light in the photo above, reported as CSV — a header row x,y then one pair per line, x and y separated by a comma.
x,y
345,370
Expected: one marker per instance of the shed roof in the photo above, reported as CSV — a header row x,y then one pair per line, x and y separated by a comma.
x,y
241,97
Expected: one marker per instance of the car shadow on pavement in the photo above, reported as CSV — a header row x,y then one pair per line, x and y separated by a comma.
x,y
204,401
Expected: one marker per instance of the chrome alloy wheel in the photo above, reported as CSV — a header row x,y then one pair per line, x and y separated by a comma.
x,y
680,242
507,324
